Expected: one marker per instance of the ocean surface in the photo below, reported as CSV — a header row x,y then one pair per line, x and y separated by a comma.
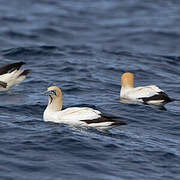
x,y
83,47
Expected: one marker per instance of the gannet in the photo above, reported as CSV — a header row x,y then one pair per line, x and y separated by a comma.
x,y
76,116
12,75
151,95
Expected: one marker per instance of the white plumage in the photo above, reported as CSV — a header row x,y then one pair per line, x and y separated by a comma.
x,y
72,115
139,92
77,116
11,75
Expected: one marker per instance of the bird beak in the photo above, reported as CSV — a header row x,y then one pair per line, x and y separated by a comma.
x,y
46,92
50,92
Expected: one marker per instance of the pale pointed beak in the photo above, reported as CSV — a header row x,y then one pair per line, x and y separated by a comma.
x,y
50,92
45,92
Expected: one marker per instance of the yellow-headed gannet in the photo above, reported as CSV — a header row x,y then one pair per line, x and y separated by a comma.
x,y
77,116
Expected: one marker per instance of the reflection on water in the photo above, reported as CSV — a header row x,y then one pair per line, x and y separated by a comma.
x,y
127,101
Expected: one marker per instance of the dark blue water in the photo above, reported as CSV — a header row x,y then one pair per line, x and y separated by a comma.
x,y
83,47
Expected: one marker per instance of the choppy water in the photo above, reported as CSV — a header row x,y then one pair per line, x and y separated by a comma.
x,y
83,47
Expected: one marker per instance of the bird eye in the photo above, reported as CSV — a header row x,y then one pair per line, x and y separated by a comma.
x,y
54,92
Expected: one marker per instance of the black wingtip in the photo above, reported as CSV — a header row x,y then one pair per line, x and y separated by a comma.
x,y
11,67
119,123
115,122
3,84
17,65
173,99
105,119
159,96
20,62
25,72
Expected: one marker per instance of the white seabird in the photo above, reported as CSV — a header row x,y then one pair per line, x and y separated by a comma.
x,y
151,95
76,116
11,75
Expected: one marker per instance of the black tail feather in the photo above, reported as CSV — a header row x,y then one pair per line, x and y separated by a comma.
x,y
172,99
25,72
3,84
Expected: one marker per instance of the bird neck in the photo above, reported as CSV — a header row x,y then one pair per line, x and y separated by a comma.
x,y
127,83
125,90
54,104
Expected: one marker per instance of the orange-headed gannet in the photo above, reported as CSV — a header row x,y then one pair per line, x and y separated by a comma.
x,y
151,95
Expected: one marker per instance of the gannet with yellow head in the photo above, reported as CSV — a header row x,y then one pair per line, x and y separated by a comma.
x,y
11,75
151,95
77,116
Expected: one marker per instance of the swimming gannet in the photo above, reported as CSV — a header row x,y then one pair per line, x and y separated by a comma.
x,y
77,116
12,75
151,95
